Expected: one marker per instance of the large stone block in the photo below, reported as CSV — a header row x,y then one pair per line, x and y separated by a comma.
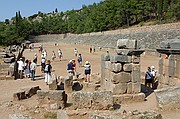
x,y
108,65
41,94
129,88
121,58
177,70
61,114
105,57
127,67
120,88
171,68
30,91
116,67
168,98
68,85
122,77
140,97
93,100
126,44
161,63
135,59
136,73
122,51
53,97
136,87
53,85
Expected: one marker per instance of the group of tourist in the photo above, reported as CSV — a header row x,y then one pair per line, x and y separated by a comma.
x,y
150,77
27,68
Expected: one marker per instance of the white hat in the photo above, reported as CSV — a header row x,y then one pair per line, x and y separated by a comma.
x,y
21,58
152,67
70,60
86,62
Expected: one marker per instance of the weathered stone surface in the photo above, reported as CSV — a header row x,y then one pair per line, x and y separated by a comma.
x,y
105,57
41,94
170,43
127,67
55,106
168,98
126,44
68,85
171,67
129,88
122,77
53,85
136,87
161,66
136,73
116,67
135,59
118,99
144,115
104,116
53,97
19,116
93,100
120,88
177,70
120,58
19,95
122,51
140,97
30,91
61,114
108,65
163,79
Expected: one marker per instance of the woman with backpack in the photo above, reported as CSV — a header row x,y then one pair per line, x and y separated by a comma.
x,y
47,70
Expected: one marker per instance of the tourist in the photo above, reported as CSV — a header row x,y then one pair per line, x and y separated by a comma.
x,y
20,68
43,63
60,54
45,54
148,79
27,68
74,66
70,69
87,71
94,49
79,60
33,67
53,55
75,52
153,72
48,70
90,50
40,48
35,58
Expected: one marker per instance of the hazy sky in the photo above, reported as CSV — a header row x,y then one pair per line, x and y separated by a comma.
x,y
8,8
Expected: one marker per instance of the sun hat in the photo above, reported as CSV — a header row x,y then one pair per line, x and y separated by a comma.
x,y
86,62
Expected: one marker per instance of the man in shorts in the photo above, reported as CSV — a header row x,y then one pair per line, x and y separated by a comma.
x,y
20,68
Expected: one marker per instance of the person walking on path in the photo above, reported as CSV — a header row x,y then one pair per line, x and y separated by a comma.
x,y
70,68
153,72
87,71
35,58
45,54
53,55
33,67
48,70
148,79
60,54
90,50
43,63
75,52
20,68
80,60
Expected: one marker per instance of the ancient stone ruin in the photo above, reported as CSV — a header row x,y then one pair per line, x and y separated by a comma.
x,y
121,74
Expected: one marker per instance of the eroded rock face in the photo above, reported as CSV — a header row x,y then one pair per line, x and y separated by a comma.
x,y
168,98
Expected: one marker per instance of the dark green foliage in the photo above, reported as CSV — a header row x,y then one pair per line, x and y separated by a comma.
x,y
106,15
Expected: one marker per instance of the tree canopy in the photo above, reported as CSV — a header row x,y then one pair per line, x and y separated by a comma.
x,y
103,16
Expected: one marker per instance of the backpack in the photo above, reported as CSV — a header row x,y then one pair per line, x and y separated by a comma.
x,y
47,68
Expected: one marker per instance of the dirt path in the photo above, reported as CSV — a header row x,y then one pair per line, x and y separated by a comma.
x,y
10,86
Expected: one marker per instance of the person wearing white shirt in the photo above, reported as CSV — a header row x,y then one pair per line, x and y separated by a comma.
x,y
20,68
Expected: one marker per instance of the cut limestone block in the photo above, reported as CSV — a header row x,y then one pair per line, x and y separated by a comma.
x,y
122,77
120,88
121,58
116,67
136,73
171,68
126,44
127,67
105,57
